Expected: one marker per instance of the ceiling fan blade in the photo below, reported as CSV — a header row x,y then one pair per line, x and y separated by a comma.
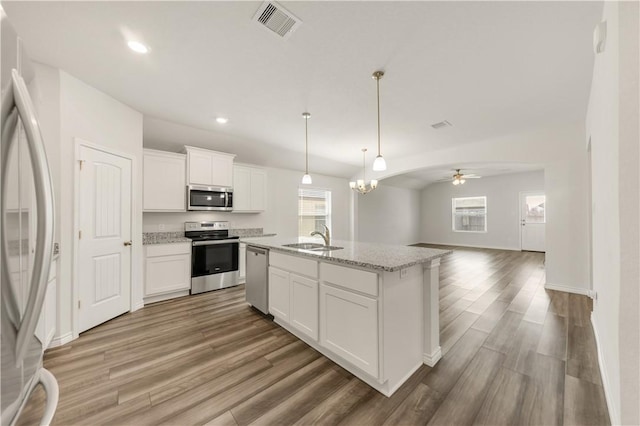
x,y
471,177
444,180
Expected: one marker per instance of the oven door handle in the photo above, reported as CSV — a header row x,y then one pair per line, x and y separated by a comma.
x,y
209,243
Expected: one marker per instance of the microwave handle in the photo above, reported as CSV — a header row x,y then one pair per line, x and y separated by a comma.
x,y
229,200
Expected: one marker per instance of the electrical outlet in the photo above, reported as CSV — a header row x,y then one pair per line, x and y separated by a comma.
x,y
403,272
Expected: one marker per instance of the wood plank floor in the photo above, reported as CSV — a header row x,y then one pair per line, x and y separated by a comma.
x,y
514,353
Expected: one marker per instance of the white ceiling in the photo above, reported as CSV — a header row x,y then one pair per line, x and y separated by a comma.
x,y
421,178
490,68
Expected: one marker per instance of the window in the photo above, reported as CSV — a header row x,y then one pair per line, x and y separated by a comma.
x,y
469,214
314,210
535,208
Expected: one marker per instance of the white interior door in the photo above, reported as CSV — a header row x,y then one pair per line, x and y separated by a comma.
x,y
104,250
532,221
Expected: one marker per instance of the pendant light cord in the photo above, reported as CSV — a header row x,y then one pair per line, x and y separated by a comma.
x,y
378,92
306,145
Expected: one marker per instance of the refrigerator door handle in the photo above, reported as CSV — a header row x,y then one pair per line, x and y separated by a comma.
x,y
50,385
45,210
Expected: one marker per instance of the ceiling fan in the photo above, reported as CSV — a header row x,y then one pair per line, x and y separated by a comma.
x,y
459,178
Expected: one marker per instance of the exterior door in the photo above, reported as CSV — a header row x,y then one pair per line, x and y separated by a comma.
x,y
104,249
532,221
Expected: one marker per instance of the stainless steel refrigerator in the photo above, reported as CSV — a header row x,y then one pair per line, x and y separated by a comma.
x,y
26,234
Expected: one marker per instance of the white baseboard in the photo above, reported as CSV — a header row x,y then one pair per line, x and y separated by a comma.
x,y
166,296
568,289
138,305
471,246
613,413
432,359
61,340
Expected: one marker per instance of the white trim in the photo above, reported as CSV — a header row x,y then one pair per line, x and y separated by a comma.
x,y
61,340
470,246
75,289
433,358
612,408
159,298
567,289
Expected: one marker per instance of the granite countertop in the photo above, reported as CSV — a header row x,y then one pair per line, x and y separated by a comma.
x,y
380,257
164,238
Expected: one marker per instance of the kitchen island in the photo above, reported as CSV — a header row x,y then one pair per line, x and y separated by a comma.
x,y
371,308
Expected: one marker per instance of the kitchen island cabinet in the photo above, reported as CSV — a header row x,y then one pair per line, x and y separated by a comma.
x,y
371,308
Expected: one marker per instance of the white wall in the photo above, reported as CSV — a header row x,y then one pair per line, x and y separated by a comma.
x,y
503,214
612,125
562,153
281,215
389,215
76,110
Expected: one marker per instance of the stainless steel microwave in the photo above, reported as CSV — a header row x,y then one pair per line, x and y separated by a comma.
x,y
201,197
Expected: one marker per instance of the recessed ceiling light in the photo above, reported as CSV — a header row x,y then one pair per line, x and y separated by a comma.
x,y
222,120
137,47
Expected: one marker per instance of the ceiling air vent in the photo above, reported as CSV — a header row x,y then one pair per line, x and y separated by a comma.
x,y
277,19
441,125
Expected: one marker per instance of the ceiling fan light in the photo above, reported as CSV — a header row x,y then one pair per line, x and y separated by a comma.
x,y
462,181
352,185
306,179
379,164
456,182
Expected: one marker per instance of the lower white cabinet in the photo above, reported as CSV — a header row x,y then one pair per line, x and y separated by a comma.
x,y
167,268
349,326
242,263
279,294
304,305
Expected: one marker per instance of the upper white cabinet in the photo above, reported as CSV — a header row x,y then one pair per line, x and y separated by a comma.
x,y
164,181
205,167
249,189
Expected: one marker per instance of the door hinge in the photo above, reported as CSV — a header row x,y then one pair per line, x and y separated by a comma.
x,y
78,304
81,163
79,235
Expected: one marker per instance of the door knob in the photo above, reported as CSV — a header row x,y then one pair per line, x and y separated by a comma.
x,y
127,243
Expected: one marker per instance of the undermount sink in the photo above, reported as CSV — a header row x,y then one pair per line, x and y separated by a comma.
x,y
312,246
304,246
326,248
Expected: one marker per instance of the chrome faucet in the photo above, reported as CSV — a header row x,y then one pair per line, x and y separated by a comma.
x,y
326,236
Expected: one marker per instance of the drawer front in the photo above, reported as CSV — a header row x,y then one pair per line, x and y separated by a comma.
x,y
352,279
298,265
154,250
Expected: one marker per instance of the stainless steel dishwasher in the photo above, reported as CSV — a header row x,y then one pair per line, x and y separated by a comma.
x,y
257,281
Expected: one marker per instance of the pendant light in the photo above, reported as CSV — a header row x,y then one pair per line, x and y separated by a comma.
x,y
379,164
306,179
360,185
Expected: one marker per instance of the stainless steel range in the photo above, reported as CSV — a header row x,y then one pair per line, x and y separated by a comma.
x,y
214,256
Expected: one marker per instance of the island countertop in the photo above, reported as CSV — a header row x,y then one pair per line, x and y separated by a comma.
x,y
381,257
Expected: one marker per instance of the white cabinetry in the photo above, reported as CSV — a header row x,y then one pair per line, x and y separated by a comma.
x,y
293,292
279,291
249,189
304,305
164,181
205,167
349,327
167,269
349,315
242,261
